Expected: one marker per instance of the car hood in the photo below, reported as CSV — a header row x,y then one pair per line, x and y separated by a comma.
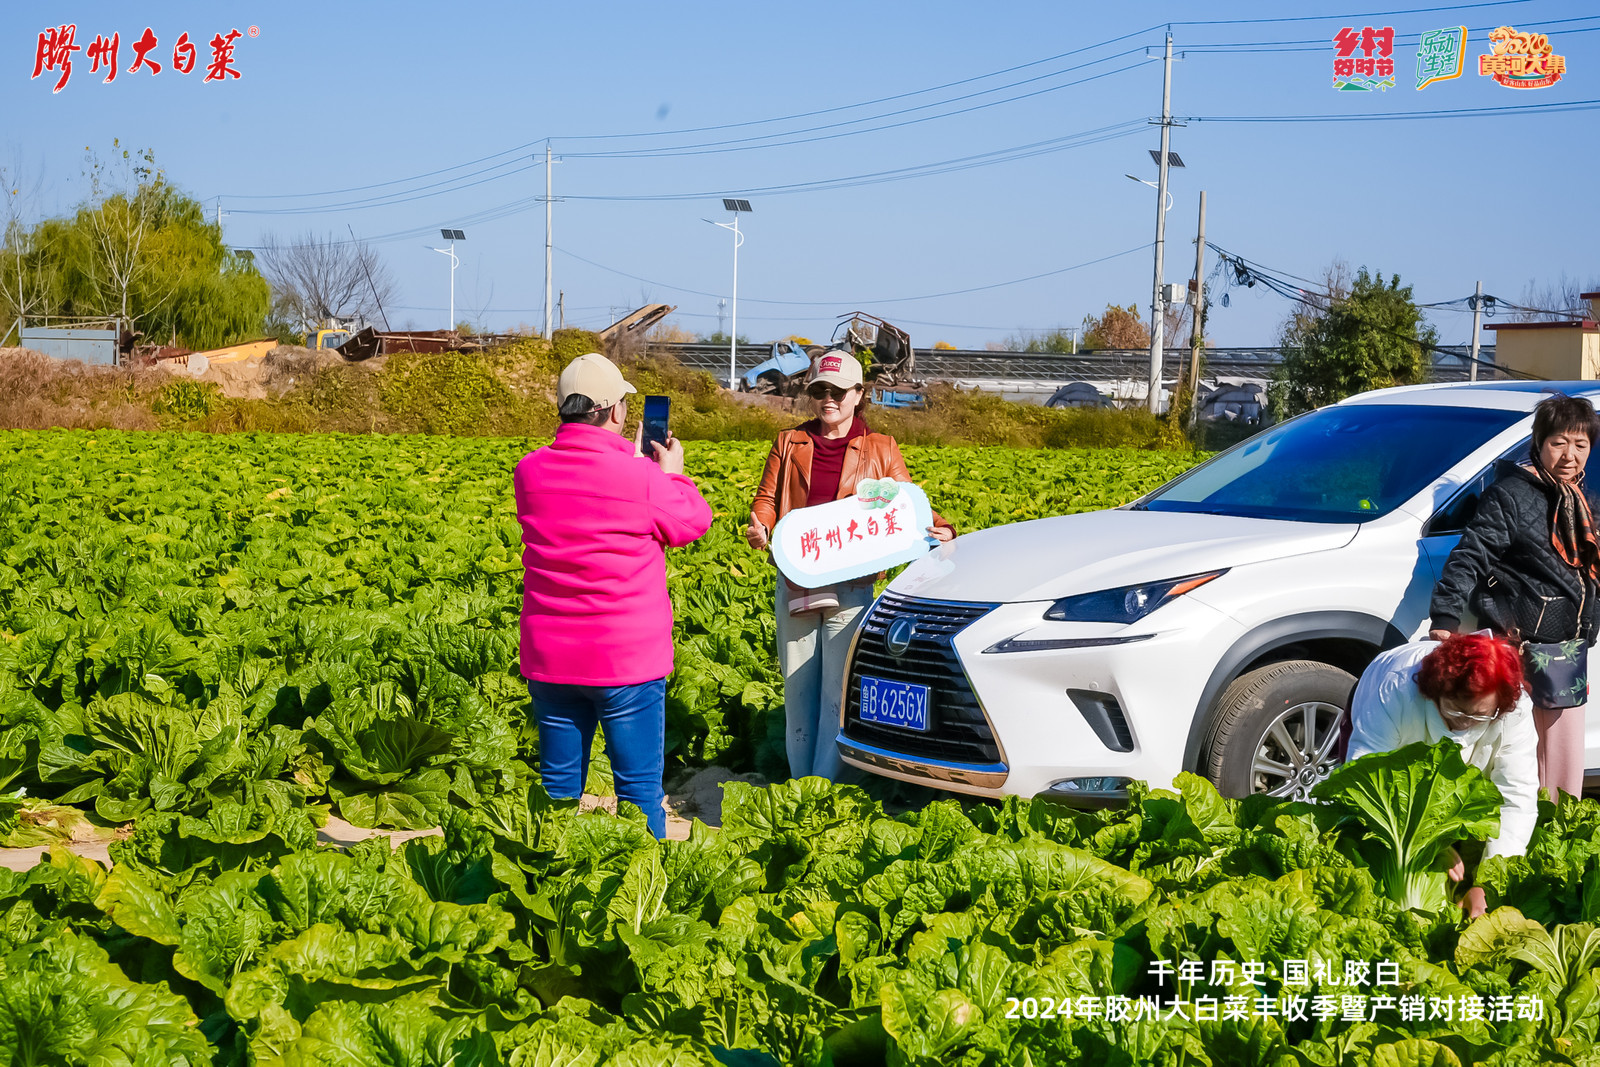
x,y
1050,558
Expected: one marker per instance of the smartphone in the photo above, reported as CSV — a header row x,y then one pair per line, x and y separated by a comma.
x,y
656,410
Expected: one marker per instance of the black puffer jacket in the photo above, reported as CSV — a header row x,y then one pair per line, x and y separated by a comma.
x,y
1509,537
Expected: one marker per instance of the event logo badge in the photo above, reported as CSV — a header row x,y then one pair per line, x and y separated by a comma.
x,y
1521,60
1441,55
1373,68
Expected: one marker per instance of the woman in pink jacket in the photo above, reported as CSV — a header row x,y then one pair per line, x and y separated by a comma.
x,y
597,517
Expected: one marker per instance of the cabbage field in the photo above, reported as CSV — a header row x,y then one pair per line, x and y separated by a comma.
x,y
214,641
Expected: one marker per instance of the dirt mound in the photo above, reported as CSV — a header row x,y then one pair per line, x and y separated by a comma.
x,y
260,377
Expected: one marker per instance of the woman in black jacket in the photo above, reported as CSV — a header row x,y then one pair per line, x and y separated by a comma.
x,y
1534,536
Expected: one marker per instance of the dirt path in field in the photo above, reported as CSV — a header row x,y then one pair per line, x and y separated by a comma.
x,y
696,797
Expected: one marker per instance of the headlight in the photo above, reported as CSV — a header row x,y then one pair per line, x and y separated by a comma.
x,y
1127,604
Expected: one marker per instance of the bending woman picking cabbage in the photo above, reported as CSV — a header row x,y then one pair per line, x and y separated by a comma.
x,y
1468,688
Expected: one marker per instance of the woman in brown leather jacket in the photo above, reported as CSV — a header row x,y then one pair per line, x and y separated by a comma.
x,y
820,461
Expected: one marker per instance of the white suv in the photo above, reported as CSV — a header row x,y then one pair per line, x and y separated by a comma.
x,y
1216,625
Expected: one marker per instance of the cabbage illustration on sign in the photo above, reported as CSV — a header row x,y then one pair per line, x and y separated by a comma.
x,y
883,525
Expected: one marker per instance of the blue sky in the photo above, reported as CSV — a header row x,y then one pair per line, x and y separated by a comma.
x,y
336,96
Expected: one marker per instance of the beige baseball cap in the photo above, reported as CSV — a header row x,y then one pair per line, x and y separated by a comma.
x,y
594,376
837,368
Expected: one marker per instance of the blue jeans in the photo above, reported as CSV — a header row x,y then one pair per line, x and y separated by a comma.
x,y
634,721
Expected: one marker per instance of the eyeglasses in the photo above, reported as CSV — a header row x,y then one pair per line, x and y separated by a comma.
x,y
821,390
1467,716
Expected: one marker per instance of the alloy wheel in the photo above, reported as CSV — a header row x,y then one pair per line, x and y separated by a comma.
x,y
1298,749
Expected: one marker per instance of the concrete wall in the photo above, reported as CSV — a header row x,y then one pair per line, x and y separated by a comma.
x,y
1557,351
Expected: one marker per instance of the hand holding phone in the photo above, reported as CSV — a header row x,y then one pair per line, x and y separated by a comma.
x,y
656,411
669,456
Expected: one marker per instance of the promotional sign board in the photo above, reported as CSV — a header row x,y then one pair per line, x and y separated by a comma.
x,y
883,525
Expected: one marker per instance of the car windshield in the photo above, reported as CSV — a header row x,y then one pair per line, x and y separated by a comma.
x,y
1339,464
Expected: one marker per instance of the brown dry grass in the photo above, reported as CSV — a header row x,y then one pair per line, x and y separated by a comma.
x,y
40,393
506,391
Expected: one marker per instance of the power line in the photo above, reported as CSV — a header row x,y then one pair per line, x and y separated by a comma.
x,y
646,134
1003,155
1319,44
857,300
707,129
1364,15
400,196
1562,107
379,185
1248,273
712,147
460,182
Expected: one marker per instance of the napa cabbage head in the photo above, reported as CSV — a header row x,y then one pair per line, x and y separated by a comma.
x,y
1409,806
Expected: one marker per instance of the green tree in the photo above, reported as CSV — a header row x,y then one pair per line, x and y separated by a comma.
x,y
1370,337
138,249
1058,341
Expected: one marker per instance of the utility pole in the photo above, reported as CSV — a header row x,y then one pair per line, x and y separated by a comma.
x,y
1196,338
548,245
561,306
1158,306
735,206
453,261
721,308
1477,315
733,336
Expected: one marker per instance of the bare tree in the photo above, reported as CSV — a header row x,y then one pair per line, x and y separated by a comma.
x,y
21,285
474,313
316,278
1556,301
126,199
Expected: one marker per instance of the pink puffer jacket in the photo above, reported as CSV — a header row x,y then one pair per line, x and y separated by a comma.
x,y
596,522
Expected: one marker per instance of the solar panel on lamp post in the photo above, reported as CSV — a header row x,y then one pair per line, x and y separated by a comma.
x,y
735,206
452,236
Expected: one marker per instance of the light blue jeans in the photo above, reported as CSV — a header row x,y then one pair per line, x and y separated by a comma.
x,y
811,653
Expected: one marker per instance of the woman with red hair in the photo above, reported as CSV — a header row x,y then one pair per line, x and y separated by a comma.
x,y
1468,688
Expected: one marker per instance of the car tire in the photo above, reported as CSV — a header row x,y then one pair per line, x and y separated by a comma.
x,y
1258,737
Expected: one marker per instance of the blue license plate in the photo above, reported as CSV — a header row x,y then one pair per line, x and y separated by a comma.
x,y
894,703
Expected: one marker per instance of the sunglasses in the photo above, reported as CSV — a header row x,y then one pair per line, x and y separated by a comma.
x,y
821,390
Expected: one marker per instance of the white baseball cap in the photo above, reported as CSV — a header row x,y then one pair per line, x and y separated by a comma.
x,y
837,368
594,376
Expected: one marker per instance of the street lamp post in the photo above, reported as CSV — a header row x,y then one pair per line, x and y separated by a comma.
x,y
734,206
452,236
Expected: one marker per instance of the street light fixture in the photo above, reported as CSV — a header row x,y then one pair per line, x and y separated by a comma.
x,y
1153,185
735,206
452,236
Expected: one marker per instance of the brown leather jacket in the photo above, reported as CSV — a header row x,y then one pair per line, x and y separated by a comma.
x,y
786,481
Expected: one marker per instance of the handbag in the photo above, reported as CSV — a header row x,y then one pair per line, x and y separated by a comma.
x,y
809,601
1556,672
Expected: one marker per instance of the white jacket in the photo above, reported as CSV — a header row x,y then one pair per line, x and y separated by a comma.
x,y
1388,712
